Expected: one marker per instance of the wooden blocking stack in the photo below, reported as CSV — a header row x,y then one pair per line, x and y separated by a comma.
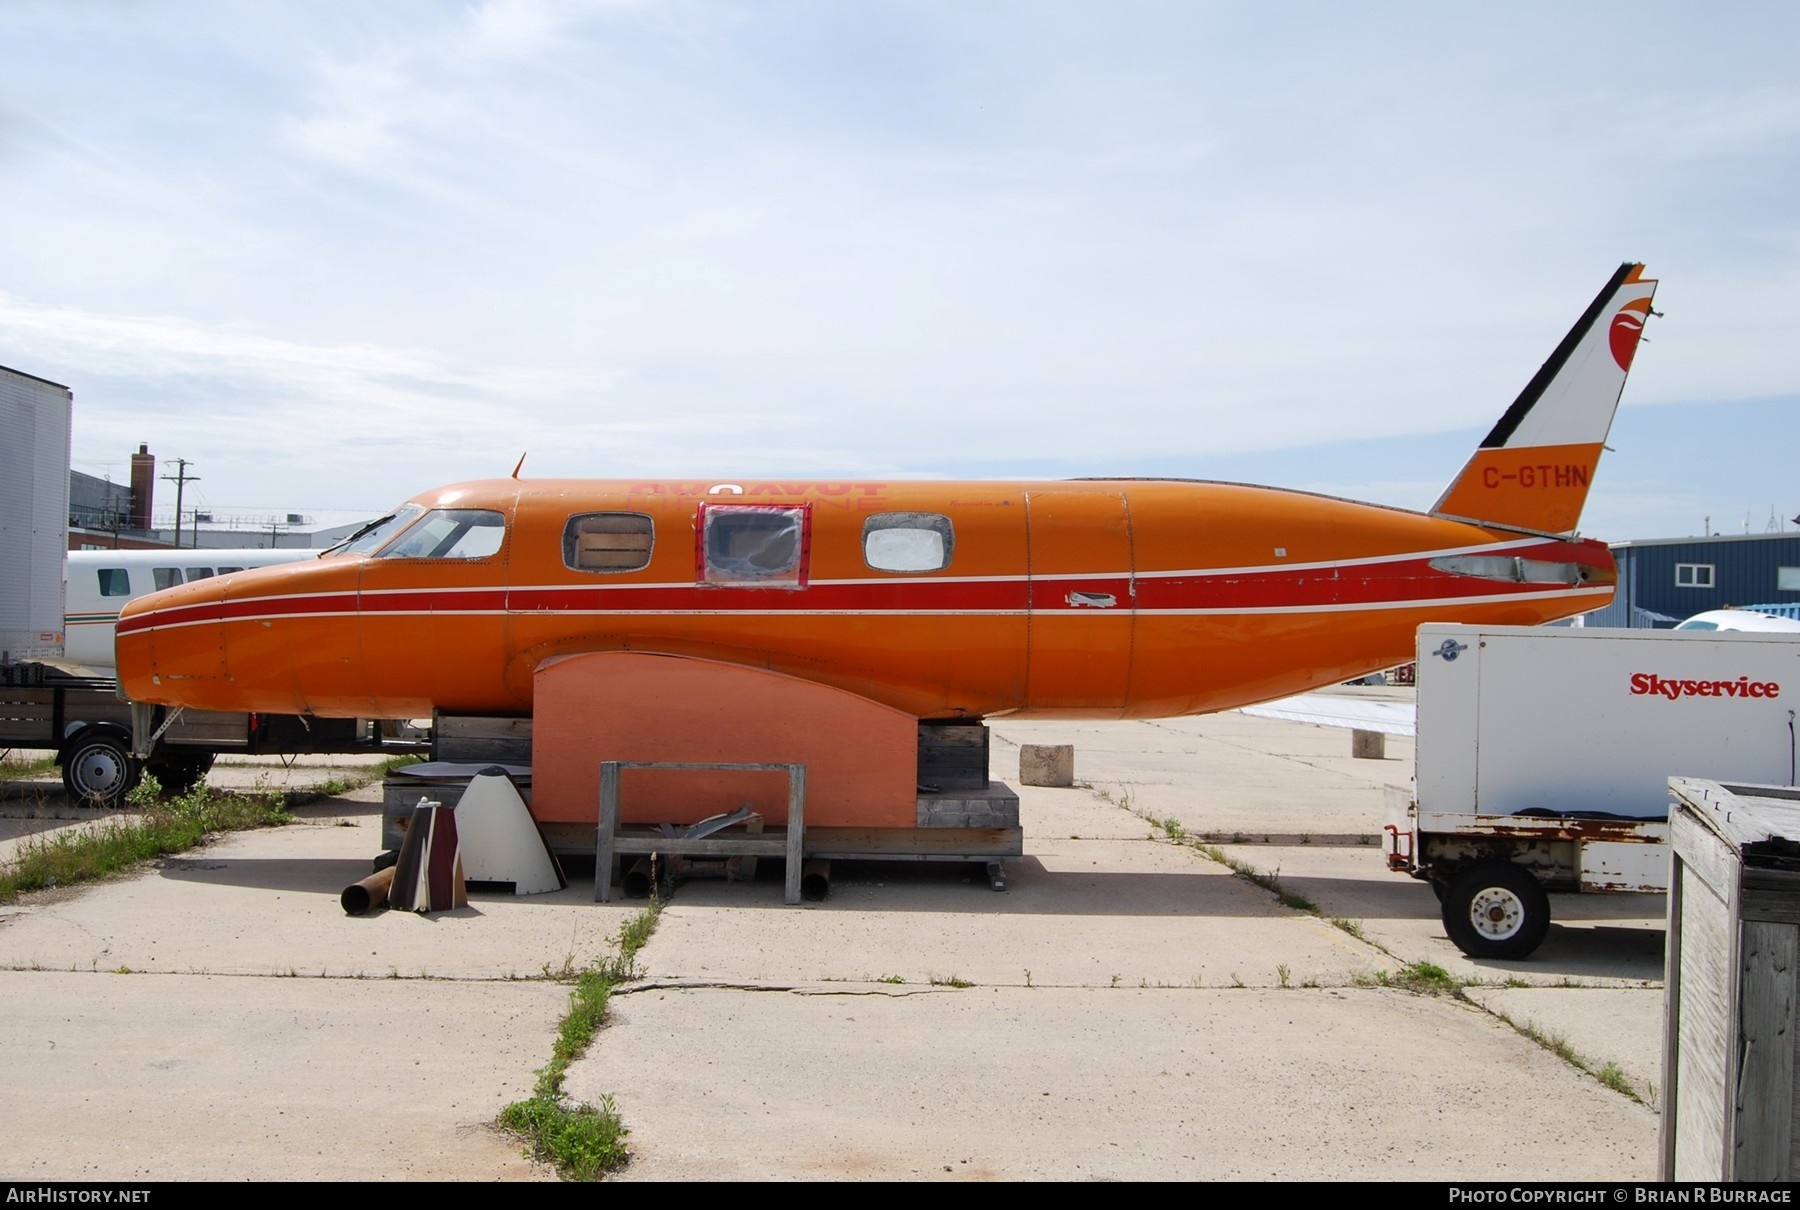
x,y
1047,764
953,756
468,739
1368,745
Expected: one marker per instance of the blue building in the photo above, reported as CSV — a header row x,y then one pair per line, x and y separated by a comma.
x,y
1663,580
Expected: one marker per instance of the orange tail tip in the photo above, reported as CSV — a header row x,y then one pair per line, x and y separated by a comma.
x,y
1532,472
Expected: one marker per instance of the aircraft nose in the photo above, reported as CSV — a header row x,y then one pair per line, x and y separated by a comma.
x,y
170,646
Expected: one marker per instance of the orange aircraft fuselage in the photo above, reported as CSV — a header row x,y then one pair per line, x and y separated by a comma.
x,y
1070,599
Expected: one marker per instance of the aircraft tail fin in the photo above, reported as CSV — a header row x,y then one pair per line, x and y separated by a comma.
x,y
1532,472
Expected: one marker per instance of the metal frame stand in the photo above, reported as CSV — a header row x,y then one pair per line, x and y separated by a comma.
x,y
613,842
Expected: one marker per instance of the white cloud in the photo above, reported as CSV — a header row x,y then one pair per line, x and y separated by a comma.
x,y
395,244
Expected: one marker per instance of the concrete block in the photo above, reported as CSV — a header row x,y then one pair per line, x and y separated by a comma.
x,y
1047,764
1368,745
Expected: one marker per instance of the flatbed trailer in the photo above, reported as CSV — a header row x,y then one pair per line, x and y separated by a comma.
x,y
88,725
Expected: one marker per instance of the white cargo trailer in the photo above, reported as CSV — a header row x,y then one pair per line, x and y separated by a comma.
x,y
1544,755
34,514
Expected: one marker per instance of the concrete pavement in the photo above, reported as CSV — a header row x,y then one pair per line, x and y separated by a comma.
x,y
1127,1009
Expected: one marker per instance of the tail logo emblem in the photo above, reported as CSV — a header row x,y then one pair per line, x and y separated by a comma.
x,y
1627,326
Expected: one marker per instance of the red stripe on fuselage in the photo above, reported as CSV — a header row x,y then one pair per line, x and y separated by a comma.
x,y
1373,584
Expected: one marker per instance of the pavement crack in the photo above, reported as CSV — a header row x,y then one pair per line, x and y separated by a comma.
x,y
892,991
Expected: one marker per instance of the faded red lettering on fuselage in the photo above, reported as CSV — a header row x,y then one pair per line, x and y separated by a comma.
x,y
777,491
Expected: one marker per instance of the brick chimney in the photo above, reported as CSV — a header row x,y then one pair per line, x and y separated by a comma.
x,y
143,486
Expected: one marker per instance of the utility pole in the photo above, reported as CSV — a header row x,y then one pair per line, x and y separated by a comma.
x,y
180,479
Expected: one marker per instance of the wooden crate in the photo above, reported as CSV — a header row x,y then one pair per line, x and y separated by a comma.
x,y
1731,1052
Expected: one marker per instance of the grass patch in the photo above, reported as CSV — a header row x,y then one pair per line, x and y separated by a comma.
x,y
584,1142
12,767
163,825
949,981
1428,979
1613,1076
1421,978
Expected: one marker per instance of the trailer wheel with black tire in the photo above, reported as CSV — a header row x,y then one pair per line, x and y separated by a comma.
x,y
1496,910
99,771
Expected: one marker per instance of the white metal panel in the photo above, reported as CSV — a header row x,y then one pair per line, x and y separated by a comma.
x,y
1598,720
34,513
1448,722
1608,865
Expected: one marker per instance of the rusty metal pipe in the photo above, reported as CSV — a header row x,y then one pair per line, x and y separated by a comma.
x,y
371,892
639,879
815,880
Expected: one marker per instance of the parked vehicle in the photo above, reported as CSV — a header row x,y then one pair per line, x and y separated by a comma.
x,y
1544,753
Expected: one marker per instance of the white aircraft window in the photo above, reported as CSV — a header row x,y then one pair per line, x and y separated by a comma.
x,y
758,544
225,571
608,541
198,573
115,582
165,577
450,533
907,541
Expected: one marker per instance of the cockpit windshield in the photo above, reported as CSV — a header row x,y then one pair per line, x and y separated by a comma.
x,y
376,532
450,533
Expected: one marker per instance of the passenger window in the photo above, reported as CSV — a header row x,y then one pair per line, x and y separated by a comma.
x,y
608,541
115,582
450,533
225,571
758,544
165,577
908,541
199,573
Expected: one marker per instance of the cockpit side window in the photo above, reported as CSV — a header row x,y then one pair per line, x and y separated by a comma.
x,y
608,542
760,545
450,533
115,582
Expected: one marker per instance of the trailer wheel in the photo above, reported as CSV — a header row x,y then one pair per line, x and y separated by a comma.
x,y
99,771
1496,910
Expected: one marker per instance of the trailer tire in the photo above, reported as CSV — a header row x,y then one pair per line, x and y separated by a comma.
x,y
1496,910
99,771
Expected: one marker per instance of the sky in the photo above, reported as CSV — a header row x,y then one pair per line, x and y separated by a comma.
x,y
333,254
